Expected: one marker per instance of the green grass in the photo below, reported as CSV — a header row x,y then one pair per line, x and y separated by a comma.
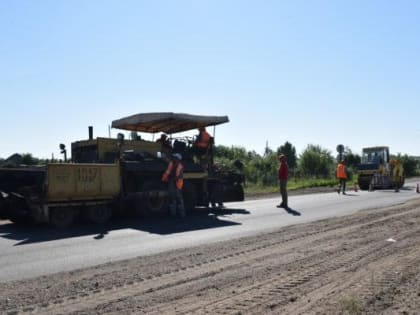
x,y
292,184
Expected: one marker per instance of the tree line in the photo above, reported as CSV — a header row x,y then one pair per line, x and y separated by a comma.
x,y
24,159
314,162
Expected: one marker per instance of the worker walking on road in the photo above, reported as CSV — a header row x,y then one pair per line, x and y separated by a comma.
x,y
283,175
397,174
174,177
342,176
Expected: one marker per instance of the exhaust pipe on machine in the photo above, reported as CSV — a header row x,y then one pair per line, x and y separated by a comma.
x,y
90,133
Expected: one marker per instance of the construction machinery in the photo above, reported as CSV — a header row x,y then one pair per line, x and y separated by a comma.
x,y
376,169
109,176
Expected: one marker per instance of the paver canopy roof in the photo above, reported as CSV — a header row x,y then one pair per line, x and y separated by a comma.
x,y
166,122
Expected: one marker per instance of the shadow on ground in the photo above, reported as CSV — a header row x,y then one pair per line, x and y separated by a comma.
x,y
292,212
163,224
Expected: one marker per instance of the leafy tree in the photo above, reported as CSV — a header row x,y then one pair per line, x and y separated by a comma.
x,y
290,152
268,151
409,163
352,160
269,169
262,169
28,159
224,155
230,153
257,169
316,161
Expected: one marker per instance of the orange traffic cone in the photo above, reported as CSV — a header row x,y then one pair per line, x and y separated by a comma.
x,y
417,189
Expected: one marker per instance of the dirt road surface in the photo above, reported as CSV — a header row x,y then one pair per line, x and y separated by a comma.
x,y
366,263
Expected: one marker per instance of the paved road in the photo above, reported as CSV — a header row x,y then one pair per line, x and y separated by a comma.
x,y
32,251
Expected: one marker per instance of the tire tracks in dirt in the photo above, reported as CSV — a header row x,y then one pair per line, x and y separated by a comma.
x,y
268,273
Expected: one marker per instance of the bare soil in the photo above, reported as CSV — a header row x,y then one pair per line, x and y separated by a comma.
x,y
366,263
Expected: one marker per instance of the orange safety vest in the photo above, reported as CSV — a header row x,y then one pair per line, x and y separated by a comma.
x,y
175,170
341,171
203,140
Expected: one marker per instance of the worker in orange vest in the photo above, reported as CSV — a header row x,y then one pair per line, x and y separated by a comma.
x,y
174,176
342,176
201,147
203,140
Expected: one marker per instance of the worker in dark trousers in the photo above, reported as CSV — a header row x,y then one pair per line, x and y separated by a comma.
x,y
397,174
174,177
283,175
201,147
342,177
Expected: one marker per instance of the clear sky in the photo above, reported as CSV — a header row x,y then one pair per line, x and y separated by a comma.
x,y
307,72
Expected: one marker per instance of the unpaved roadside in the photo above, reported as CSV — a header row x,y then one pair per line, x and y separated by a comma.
x,y
366,263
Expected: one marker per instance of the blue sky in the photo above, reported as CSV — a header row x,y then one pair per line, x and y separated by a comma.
x,y
307,72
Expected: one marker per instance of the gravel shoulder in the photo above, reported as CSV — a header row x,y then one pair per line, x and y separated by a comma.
x,y
366,263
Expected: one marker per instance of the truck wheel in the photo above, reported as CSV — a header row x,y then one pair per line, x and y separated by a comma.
x,y
17,211
62,217
21,220
364,187
155,199
364,184
3,207
401,184
99,214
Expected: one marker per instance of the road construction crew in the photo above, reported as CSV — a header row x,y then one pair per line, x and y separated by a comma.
x,y
174,177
